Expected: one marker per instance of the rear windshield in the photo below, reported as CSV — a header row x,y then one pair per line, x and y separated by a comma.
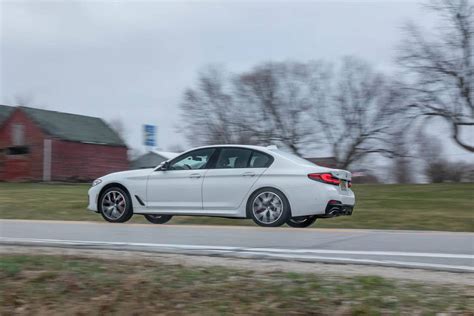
x,y
292,157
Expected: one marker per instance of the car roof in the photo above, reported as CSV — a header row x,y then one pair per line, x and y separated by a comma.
x,y
269,150
261,148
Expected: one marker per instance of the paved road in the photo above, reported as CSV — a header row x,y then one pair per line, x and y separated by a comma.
x,y
428,250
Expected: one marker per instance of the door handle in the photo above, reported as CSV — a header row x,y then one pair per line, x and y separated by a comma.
x,y
195,175
248,174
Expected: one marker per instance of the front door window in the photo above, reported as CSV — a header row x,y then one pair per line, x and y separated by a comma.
x,y
193,160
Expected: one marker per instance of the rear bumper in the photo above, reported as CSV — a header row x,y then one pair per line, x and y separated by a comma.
x,y
338,209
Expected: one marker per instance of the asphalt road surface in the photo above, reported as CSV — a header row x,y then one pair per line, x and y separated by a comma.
x,y
409,249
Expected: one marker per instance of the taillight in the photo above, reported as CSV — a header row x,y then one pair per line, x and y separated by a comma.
x,y
325,178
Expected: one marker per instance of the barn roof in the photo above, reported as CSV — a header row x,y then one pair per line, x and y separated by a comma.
x,y
152,159
74,127
5,111
165,154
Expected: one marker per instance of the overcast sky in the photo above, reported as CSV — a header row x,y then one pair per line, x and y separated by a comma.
x,y
132,59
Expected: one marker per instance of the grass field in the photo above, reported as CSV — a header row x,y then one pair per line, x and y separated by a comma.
x,y
45,285
448,207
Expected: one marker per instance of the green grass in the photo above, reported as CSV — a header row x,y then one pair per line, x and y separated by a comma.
x,y
73,285
445,207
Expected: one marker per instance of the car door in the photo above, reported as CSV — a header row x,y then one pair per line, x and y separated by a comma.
x,y
228,182
179,188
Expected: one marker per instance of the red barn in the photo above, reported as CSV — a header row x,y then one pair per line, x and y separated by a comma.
x,y
42,145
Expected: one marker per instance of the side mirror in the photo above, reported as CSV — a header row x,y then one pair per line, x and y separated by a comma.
x,y
165,165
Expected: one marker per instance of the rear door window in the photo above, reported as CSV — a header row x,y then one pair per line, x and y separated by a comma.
x,y
233,158
260,160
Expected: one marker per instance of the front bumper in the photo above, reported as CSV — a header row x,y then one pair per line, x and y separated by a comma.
x,y
93,196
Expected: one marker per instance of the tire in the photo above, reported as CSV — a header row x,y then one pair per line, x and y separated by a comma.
x,y
157,219
268,207
301,221
115,205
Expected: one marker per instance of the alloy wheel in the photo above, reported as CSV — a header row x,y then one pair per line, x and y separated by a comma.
x,y
267,207
113,205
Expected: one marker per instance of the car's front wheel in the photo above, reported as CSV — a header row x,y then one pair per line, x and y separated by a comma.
x,y
115,205
301,221
157,219
268,207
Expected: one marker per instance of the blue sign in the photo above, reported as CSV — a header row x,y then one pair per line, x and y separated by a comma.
x,y
149,135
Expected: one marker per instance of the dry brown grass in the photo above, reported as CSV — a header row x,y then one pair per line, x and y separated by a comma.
x,y
48,285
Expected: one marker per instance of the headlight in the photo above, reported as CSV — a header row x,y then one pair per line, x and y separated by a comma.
x,y
96,182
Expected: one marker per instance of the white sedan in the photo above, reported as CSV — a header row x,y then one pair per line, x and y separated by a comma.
x,y
263,183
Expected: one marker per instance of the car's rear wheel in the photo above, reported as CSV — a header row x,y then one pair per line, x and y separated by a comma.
x,y
301,221
115,205
268,207
157,219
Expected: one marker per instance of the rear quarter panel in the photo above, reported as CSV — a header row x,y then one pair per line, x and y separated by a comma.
x,y
306,196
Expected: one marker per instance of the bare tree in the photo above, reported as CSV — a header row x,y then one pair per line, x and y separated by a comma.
x,y
361,115
430,152
119,127
208,110
440,68
402,168
274,101
436,168
299,106
263,106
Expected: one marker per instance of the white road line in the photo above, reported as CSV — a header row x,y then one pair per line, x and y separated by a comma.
x,y
203,226
242,249
294,254
371,253
369,261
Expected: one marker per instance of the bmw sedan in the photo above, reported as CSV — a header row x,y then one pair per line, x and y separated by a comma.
x,y
268,185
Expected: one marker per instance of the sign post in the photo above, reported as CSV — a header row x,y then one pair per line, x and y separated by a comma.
x,y
149,136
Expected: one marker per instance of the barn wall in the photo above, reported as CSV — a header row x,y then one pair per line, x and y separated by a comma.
x,y
21,167
69,160
85,162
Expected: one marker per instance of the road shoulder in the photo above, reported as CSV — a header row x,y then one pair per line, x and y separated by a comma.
x,y
256,265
